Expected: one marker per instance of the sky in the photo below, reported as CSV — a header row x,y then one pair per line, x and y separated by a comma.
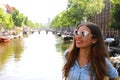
x,y
38,10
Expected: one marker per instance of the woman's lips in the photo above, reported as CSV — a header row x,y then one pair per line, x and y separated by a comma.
x,y
79,41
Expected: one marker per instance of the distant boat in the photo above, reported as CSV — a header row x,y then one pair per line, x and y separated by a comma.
x,y
4,39
67,37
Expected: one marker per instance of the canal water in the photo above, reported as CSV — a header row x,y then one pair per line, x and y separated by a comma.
x,y
33,57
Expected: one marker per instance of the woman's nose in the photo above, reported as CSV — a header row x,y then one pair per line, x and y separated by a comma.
x,y
79,36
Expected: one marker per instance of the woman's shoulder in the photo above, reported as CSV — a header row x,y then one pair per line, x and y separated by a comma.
x,y
108,62
111,70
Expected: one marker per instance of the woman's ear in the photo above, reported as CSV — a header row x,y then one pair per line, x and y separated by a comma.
x,y
94,41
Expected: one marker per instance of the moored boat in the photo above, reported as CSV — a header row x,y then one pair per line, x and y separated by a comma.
x,y
4,39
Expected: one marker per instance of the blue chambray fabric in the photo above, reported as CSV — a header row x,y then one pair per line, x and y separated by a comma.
x,y
82,73
111,71
79,73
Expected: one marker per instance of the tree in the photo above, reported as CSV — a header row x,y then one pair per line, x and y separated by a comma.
x,y
78,11
115,1
56,21
18,18
6,20
115,17
86,8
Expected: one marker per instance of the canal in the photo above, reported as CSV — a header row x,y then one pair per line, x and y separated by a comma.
x,y
33,57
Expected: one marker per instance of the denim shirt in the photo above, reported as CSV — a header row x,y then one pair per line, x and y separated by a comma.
x,y
79,73
82,73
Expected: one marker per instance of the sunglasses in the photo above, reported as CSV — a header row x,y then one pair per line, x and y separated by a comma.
x,y
83,33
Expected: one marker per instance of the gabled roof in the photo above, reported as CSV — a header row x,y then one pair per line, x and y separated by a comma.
x,y
9,9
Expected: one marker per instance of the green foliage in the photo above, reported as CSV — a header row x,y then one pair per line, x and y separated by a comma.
x,y
29,23
115,1
6,19
25,21
64,19
115,17
86,8
18,18
1,16
37,25
15,19
77,11
56,22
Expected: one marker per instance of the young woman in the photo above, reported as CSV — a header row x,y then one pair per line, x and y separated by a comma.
x,y
87,58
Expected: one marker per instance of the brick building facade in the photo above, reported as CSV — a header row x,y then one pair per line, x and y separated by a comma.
x,y
103,19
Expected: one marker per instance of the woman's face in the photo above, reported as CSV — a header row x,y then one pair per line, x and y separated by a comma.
x,y
83,37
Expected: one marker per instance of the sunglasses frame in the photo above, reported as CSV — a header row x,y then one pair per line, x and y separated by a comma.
x,y
83,33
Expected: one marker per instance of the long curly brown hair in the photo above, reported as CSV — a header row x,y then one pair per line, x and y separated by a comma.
x,y
97,56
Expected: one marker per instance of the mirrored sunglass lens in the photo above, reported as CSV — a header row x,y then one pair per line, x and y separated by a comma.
x,y
78,33
84,33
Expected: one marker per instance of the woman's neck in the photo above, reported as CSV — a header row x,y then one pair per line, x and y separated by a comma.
x,y
84,53
83,57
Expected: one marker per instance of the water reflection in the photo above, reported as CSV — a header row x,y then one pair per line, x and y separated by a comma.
x,y
18,46
61,45
5,51
12,49
35,57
